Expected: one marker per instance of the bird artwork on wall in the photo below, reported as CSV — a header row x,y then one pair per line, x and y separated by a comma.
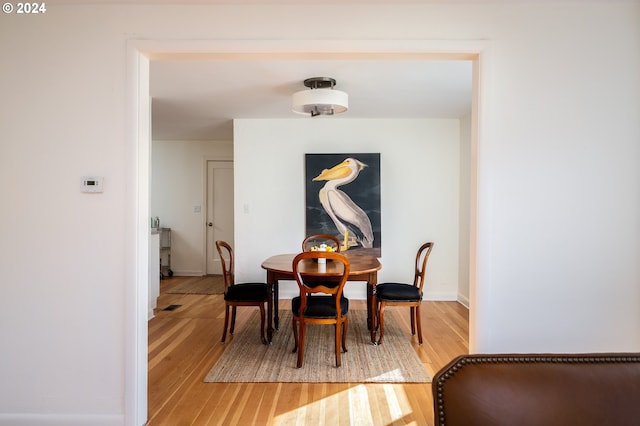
x,y
346,215
343,199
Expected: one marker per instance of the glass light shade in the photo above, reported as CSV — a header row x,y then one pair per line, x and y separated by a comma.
x,y
320,102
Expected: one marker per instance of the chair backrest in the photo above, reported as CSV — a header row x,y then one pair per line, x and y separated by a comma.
x,y
315,278
226,260
422,257
318,239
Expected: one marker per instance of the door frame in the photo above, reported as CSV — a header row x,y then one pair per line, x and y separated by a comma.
x,y
139,55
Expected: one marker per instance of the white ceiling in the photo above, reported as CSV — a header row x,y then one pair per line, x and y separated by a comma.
x,y
198,99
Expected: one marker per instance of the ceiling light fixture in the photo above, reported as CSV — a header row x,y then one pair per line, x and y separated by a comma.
x,y
320,99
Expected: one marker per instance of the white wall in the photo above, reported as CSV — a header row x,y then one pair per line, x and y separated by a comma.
x,y
419,181
559,207
179,175
558,169
420,186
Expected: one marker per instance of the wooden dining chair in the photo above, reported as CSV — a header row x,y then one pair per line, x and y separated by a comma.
x,y
319,303
317,239
239,294
405,294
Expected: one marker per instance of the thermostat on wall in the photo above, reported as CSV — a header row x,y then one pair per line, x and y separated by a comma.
x,y
92,184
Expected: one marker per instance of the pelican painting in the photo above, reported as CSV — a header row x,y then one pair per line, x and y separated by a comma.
x,y
350,219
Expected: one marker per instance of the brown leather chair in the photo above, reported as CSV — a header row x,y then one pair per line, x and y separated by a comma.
x,y
410,295
320,302
538,389
317,239
239,294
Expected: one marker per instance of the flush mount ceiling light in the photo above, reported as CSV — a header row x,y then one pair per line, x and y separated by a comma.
x,y
320,99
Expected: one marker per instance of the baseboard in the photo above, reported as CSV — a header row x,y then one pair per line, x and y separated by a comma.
x,y
463,300
19,419
179,273
359,293
440,296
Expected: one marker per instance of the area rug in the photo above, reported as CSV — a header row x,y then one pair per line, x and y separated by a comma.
x,y
208,284
246,359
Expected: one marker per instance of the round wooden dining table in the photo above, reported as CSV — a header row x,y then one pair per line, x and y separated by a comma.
x,y
280,267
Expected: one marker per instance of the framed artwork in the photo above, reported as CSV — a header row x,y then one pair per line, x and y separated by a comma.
x,y
343,199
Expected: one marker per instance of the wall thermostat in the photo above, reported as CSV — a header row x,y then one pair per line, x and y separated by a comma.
x,y
92,184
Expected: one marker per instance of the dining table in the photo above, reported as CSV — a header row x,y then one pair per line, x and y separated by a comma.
x,y
280,267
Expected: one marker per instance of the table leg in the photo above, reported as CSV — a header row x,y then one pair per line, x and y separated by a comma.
x,y
276,300
270,307
369,306
371,302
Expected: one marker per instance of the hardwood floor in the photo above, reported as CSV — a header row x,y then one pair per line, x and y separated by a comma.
x,y
185,343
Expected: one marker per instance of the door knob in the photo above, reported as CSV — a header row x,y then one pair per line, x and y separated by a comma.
x,y
210,224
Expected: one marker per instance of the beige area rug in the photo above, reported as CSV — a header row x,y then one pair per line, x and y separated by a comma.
x,y
209,284
247,360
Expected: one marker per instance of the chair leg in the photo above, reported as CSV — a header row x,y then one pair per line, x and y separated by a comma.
x,y
338,329
233,320
226,323
412,312
294,323
264,340
381,321
419,323
301,347
345,326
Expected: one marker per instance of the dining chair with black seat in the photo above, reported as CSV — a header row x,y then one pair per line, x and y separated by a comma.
x,y
403,294
321,299
315,241
239,294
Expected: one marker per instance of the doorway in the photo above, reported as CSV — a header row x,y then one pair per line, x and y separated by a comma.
x,y
142,51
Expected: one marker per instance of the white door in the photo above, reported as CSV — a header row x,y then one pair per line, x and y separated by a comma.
x,y
219,210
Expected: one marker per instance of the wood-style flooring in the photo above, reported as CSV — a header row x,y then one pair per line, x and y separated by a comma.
x,y
184,343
